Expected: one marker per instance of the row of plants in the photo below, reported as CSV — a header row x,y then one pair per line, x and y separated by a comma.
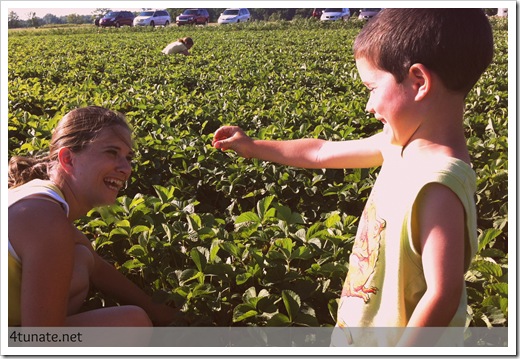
x,y
232,241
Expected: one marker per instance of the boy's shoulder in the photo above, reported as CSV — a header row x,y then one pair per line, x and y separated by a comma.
x,y
421,152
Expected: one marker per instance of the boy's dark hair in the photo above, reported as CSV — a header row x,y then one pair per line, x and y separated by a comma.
x,y
456,44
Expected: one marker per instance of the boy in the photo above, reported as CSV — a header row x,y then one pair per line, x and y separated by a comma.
x,y
417,233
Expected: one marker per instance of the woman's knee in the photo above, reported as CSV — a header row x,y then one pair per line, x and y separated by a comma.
x,y
136,316
118,316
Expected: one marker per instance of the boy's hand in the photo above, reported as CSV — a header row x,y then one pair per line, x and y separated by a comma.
x,y
232,138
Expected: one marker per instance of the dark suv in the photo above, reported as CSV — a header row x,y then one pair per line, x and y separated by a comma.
x,y
117,19
193,17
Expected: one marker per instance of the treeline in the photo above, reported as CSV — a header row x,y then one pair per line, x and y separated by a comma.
x,y
262,14
14,21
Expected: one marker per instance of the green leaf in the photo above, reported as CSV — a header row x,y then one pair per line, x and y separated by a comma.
x,y
279,320
249,294
213,251
123,223
307,320
487,268
285,243
189,274
164,193
97,223
314,231
194,222
259,258
487,236
271,213
199,259
242,312
248,217
231,248
202,290
119,231
263,208
132,264
136,251
266,304
500,288
136,201
139,229
333,220
301,253
243,278
292,303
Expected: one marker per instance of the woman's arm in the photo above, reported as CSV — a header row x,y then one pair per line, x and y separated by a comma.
x,y
42,237
110,281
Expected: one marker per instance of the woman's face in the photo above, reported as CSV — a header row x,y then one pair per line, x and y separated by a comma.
x,y
101,169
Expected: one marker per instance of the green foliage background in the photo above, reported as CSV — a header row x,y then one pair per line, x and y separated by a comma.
x,y
232,241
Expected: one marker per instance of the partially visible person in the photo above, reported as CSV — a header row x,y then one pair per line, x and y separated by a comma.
x,y
51,263
418,231
181,46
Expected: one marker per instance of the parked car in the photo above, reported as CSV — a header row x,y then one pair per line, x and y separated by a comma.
x,y
117,19
234,15
367,14
316,13
153,18
335,14
193,17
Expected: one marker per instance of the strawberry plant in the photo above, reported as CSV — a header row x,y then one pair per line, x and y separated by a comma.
x,y
237,242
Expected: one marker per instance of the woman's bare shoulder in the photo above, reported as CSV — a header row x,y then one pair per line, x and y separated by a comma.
x,y
36,224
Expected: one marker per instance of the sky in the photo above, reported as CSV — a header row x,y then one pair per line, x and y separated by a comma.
x,y
23,13
87,7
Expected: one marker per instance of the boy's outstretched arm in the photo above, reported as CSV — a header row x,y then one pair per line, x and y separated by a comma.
x,y
439,216
304,153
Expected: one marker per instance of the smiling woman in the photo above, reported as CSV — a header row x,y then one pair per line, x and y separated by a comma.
x,y
87,165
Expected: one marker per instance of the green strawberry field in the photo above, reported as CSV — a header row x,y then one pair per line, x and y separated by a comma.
x,y
233,241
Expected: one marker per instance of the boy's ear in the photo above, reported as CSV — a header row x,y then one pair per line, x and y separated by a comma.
x,y
421,78
65,158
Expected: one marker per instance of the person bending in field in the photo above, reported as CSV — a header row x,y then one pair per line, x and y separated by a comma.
x,y
417,233
50,262
181,46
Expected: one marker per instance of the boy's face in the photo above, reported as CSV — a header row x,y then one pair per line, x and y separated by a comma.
x,y
390,102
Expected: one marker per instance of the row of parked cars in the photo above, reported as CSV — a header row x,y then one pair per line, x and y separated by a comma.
x,y
201,17
163,18
333,14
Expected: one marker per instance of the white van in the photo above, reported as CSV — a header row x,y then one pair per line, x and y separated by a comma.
x,y
153,18
335,14
234,16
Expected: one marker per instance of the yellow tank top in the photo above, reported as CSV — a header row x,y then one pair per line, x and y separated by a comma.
x,y
385,280
15,281
33,188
